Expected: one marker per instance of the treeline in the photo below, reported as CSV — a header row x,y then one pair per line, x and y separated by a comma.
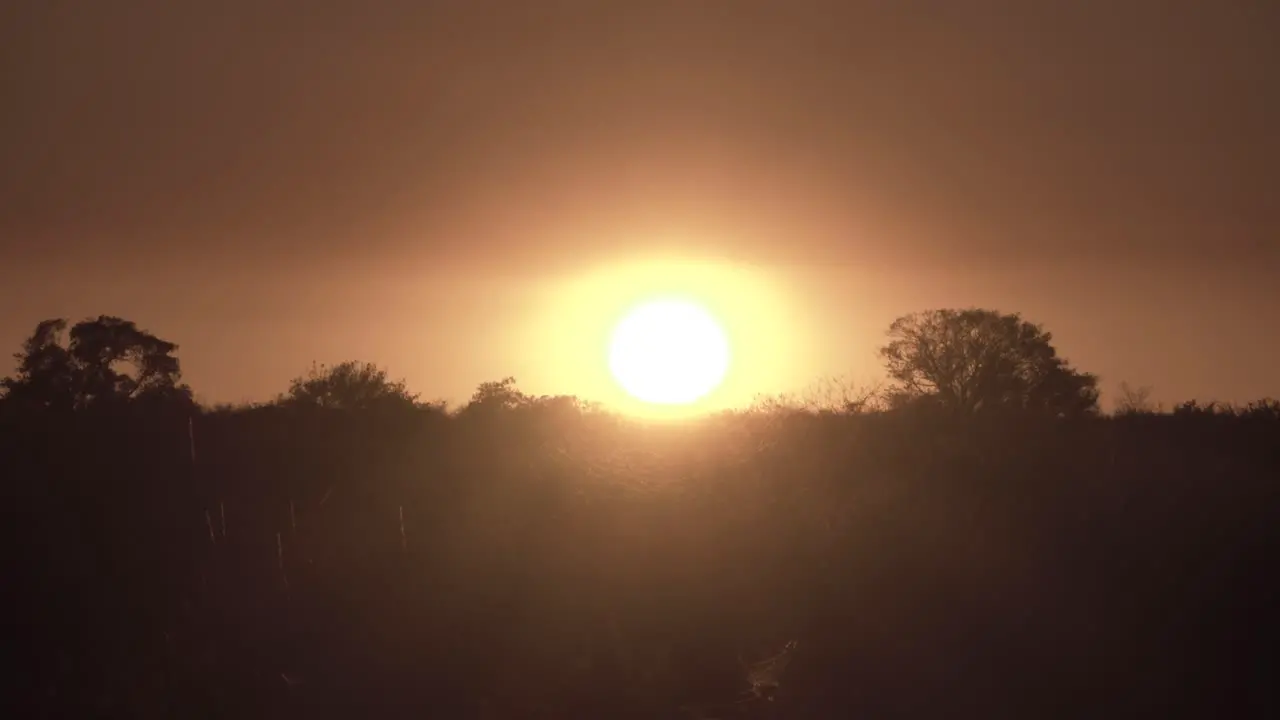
x,y
970,542
956,362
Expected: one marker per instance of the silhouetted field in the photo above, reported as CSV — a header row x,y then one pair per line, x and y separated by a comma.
x,y
278,563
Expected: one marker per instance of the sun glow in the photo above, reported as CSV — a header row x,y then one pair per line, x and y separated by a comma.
x,y
740,335
668,352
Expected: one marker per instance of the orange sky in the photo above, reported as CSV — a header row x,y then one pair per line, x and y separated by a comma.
x,y
421,184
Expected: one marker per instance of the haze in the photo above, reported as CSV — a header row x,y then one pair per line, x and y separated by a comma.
x,y
270,183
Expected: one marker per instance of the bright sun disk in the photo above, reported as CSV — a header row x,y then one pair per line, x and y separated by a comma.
x,y
668,352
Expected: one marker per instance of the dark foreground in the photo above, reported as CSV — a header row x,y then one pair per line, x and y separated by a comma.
x,y
337,565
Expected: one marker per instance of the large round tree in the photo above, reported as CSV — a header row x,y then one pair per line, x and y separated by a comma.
x,y
103,361
982,360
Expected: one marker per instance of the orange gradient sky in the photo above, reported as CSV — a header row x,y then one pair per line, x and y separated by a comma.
x,y
462,191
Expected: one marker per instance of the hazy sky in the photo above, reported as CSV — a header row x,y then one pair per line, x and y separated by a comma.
x,y
419,183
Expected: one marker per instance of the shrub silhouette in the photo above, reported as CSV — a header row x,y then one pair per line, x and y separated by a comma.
x,y
350,385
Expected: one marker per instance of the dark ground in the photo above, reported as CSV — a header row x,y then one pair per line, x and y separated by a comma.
x,y
317,565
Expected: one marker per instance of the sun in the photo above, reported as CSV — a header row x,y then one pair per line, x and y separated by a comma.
x,y
668,352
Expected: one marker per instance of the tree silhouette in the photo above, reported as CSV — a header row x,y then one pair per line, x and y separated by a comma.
x,y
350,385
106,361
979,360
496,396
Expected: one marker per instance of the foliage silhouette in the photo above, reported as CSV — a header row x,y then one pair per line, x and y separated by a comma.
x,y
981,360
492,397
349,385
107,362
